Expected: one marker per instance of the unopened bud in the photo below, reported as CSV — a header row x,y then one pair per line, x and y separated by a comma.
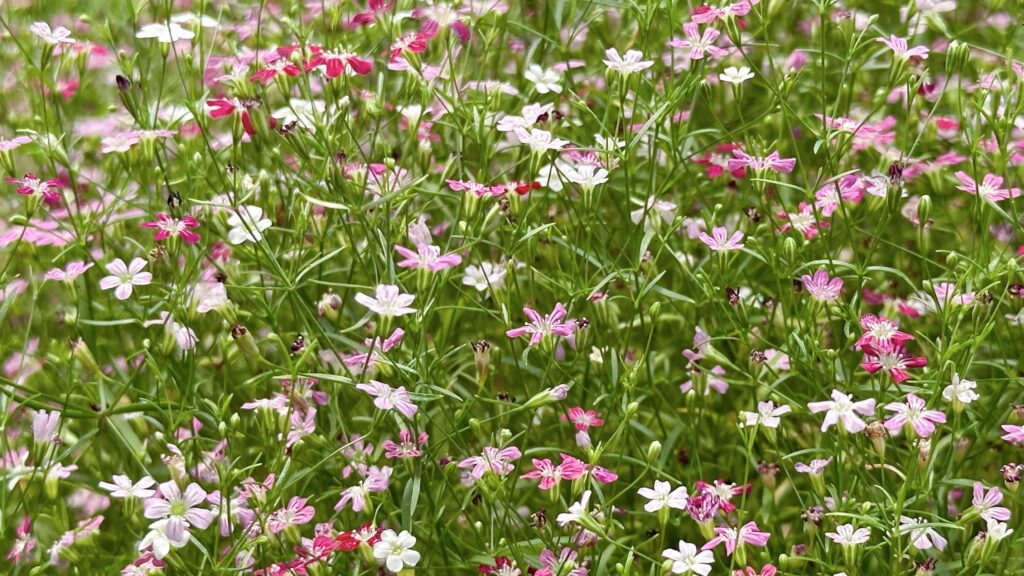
x,y
481,359
877,433
653,451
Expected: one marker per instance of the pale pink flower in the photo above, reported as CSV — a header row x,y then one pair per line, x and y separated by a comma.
x,y
821,287
493,459
749,533
914,413
409,446
720,241
69,273
698,44
901,51
1014,434
846,535
123,278
921,537
375,480
815,468
774,162
295,513
550,474
388,398
426,257
986,503
990,188
387,301
540,327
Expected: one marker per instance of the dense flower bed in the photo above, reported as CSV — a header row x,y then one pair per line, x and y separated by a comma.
x,y
552,287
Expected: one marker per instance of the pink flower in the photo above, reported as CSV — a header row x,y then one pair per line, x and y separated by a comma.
x,y
914,413
168,226
24,542
388,398
224,107
990,187
124,277
815,468
880,331
550,475
804,221
584,419
821,287
69,273
409,447
376,480
540,327
182,509
427,258
338,62
493,459
749,533
295,514
723,492
1014,434
986,503
30,185
698,44
773,162
845,535
891,358
719,241
375,350
901,51
843,408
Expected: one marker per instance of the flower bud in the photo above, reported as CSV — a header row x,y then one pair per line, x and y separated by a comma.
x,y
1011,475
329,305
957,56
80,351
876,432
482,360
924,209
653,451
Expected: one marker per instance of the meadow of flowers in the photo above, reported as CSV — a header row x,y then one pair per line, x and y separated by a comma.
x,y
540,287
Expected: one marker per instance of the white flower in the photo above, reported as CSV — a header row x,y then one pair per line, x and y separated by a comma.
x,y
544,80
165,33
124,488
303,113
59,36
587,176
576,511
734,75
843,408
768,415
164,535
663,495
183,335
530,115
247,225
124,277
539,140
996,530
189,18
488,276
845,535
960,391
627,63
922,538
389,301
665,210
687,560
396,550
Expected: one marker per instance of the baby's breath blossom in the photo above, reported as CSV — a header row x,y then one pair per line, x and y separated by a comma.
x,y
960,391
395,550
921,537
842,408
122,487
124,277
767,415
914,414
663,495
900,49
387,398
989,189
720,241
629,63
733,538
496,460
247,225
541,327
165,32
59,35
847,535
487,276
685,559
388,301
68,273
892,358
821,287
734,75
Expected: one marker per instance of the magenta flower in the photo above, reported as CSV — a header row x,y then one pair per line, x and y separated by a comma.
x,y
986,503
720,241
842,408
168,226
990,187
821,287
901,51
698,44
387,398
914,413
295,514
773,162
540,327
892,358
427,257
880,331
724,491
31,185
493,459
749,533
550,475
702,506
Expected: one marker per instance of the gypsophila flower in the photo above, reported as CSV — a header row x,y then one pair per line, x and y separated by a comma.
x,y
686,559
734,75
124,277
